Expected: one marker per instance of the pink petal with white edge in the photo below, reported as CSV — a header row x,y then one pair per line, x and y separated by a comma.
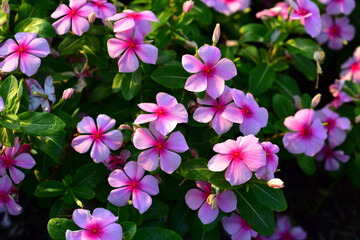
x,y
148,107
143,139
225,69
116,47
24,160
147,53
225,147
75,4
24,38
141,200
112,139
144,118
134,171
62,25
149,184
99,151
169,161
124,24
120,197
75,235
9,46
86,125
194,198
82,143
207,100
239,97
165,125
29,64
220,124
237,173
118,178
207,214
231,224
82,218
117,16
210,55
10,63
165,100
104,123
176,142
227,201
191,64
148,15
16,175
79,25
39,47
196,82
105,215
219,162
149,159
128,62
178,113
61,10
204,114
111,232
215,86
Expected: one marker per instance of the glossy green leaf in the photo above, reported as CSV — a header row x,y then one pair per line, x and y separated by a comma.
x,y
50,188
116,86
40,123
157,209
282,106
130,84
272,198
33,8
304,46
195,169
307,164
173,77
156,233
6,137
36,25
8,91
53,145
71,45
129,230
304,65
253,32
84,192
57,227
10,121
90,174
261,79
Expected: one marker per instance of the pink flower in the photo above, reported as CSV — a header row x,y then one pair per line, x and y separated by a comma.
x,y
2,105
160,149
246,112
336,7
340,96
211,110
351,68
336,32
7,202
131,182
332,158
275,183
130,19
100,225
98,136
27,50
334,125
15,156
240,158
281,9
75,16
127,46
103,9
117,161
267,172
211,74
38,96
309,134
209,203
284,230
237,227
187,6
309,15
67,93
165,114
228,7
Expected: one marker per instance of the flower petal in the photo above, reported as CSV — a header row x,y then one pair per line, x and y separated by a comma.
x,y
29,64
149,159
194,198
169,161
147,53
207,214
10,63
196,82
225,69
79,25
61,10
111,232
118,178
99,151
82,218
24,160
143,139
149,184
192,64
176,142
62,25
128,62
215,86
237,173
219,162
227,201
112,139
104,123
210,55
120,197
141,200
39,47
82,143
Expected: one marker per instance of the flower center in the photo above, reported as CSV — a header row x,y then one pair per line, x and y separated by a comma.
x,y
334,31
247,112
159,145
161,111
72,12
330,124
355,67
97,135
133,185
132,45
3,196
7,161
207,69
99,3
306,132
301,11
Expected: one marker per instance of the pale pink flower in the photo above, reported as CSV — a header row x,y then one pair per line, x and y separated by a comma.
x,y
275,183
117,161
67,93
350,70
41,96
211,110
228,7
335,7
308,134
165,114
237,227
284,230
281,9
100,225
246,112
159,148
131,182
15,156
2,105
98,136
267,172
340,96
209,74
28,49
240,158
102,9
7,202
76,16
187,6
208,203
332,158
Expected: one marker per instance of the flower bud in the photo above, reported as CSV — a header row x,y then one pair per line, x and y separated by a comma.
x,y
216,34
5,7
191,44
92,17
67,93
275,183
231,43
315,101
297,101
187,6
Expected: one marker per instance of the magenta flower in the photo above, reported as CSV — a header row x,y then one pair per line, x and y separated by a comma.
x,y
15,156
228,7
240,158
75,16
130,19
159,148
332,158
98,136
41,96
102,9
209,74
237,227
100,225
351,68
209,203
267,172
131,182
309,15
28,49
117,161
7,202
284,230
340,96
309,134
165,114
281,9
211,110
128,46
335,126
246,112
2,105
335,32
335,7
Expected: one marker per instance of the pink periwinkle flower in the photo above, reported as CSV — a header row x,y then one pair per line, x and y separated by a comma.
x,y
284,230
102,9
15,156
74,15
237,227
41,96
159,148
100,225
281,9
309,15
335,32
7,202
28,49
117,161
350,70
332,158
246,112
308,134
340,96
129,19
131,182
128,46
98,137
209,74
335,7
267,172
211,110
2,104
228,7
335,126
240,158
165,114
208,203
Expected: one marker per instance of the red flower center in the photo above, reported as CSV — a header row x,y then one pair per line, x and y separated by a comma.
x,y
207,69
159,145
133,184
97,135
301,11
355,67
306,133
160,111
330,124
334,31
7,161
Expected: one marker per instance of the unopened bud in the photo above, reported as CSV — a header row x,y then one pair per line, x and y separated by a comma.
x,y
319,56
67,93
216,34
191,44
187,6
297,101
315,101
357,119
231,43
5,7
92,17
275,183
125,126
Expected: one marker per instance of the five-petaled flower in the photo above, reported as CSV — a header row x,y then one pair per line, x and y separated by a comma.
x,y
237,227
335,7
332,157
41,96
7,202
284,230
267,172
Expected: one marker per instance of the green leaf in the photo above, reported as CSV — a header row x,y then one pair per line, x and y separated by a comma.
x,y
60,208
202,13
90,175
71,45
282,106
307,164
57,227
261,79
96,58
253,32
272,198
304,65
36,25
303,46
195,169
166,56
157,209
84,192
33,8
53,146
6,137
40,123
129,230
130,84
219,180
173,77
51,188
10,121
121,212
287,85
116,86
156,233
8,91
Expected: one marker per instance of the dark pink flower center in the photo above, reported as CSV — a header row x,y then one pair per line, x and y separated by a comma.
x,y
21,49
97,135
98,3
306,133
247,112
159,145
287,236
131,44
219,107
301,11
133,184
7,161
161,111
355,67
72,12
207,69
330,124
3,196
334,31
94,230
